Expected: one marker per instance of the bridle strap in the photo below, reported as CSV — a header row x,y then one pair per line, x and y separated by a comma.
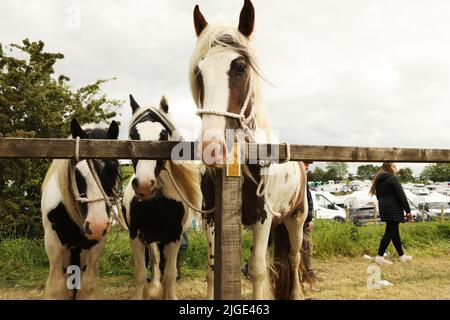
x,y
165,121
79,199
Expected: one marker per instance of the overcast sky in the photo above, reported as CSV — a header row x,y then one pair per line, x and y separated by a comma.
x,y
353,72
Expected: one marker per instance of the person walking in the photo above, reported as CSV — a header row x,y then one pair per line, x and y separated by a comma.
x,y
392,203
307,244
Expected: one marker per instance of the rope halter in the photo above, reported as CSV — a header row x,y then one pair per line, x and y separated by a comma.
x,y
84,199
263,184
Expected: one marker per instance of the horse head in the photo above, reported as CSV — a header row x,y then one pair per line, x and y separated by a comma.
x,y
94,211
224,82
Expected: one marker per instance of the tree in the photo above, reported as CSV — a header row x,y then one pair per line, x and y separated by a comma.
x,y
367,171
318,175
34,103
406,175
337,170
436,172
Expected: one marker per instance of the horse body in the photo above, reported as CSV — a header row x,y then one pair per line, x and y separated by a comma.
x,y
224,80
154,210
75,234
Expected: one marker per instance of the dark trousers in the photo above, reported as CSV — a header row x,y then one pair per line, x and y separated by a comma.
x,y
391,233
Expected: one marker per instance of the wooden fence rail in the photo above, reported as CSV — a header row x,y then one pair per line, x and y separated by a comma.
x,y
228,191
123,149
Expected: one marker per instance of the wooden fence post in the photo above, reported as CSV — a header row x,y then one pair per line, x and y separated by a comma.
x,y
347,215
442,214
227,235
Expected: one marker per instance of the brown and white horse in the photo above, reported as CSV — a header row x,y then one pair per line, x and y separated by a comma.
x,y
225,83
154,208
76,218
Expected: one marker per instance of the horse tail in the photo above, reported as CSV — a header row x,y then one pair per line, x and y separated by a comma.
x,y
283,271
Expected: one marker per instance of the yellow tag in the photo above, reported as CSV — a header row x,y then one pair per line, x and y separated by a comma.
x,y
234,161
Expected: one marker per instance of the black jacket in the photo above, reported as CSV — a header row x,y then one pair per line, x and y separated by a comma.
x,y
310,206
391,198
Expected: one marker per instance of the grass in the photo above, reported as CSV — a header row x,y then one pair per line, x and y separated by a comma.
x,y
338,251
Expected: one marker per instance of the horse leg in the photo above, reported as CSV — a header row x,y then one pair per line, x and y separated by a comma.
x,y
170,253
140,269
294,226
258,264
209,231
89,287
155,286
56,286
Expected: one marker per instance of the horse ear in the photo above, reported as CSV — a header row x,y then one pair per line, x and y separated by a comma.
x,y
113,130
164,105
133,103
76,130
199,21
247,18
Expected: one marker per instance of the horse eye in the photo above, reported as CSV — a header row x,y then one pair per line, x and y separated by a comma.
x,y
241,69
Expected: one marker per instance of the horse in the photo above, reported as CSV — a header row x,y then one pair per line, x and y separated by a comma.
x,y
76,217
154,205
225,84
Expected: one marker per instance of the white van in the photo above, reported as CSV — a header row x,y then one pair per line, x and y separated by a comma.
x,y
326,208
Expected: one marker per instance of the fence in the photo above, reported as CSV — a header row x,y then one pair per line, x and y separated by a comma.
x,y
228,189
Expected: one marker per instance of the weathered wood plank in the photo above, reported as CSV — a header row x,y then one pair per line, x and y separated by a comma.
x,y
351,154
65,148
227,250
122,149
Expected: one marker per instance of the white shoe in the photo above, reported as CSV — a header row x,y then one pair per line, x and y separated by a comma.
x,y
405,258
381,260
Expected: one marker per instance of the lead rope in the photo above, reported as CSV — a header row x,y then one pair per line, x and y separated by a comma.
x,y
182,196
115,211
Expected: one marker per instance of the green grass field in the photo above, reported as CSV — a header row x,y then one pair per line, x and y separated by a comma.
x,y
24,264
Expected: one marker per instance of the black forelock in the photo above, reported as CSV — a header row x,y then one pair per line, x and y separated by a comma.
x,y
149,115
97,133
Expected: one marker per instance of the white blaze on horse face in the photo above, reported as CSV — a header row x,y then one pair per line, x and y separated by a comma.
x,y
97,214
145,169
214,69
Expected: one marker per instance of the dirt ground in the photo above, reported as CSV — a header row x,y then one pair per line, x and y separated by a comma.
x,y
342,278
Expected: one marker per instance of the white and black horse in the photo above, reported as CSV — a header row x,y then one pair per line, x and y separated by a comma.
x,y
155,212
76,218
225,84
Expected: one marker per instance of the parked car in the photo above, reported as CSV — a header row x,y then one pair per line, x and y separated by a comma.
x,y
325,208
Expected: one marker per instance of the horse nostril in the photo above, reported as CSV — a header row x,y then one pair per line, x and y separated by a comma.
x,y
135,183
86,228
152,183
141,195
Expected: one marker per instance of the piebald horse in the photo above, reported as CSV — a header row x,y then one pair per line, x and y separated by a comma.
x,y
154,210
76,217
225,84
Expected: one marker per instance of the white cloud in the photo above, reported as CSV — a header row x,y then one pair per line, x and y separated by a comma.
x,y
359,72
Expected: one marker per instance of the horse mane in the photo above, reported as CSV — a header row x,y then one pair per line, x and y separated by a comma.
x,y
187,177
229,37
60,167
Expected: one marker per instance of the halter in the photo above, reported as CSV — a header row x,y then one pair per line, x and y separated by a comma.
x,y
80,200
161,118
263,183
243,121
